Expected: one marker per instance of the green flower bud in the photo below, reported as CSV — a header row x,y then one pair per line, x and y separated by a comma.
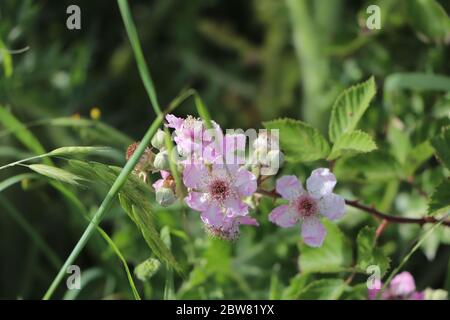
x,y
158,140
165,196
162,161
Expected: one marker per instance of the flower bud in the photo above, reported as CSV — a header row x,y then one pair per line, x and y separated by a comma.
x,y
158,140
162,161
165,196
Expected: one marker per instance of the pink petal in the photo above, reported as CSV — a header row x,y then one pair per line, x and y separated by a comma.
x,y
417,296
313,231
332,206
164,174
235,207
372,292
245,182
234,148
320,183
213,216
158,184
194,175
283,216
248,221
174,122
402,284
196,201
289,187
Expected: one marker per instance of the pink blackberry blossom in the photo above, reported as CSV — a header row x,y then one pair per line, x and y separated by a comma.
x,y
402,287
191,136
217,190
227,228
308,206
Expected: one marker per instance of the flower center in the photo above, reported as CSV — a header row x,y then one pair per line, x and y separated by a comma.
x,y
219,190
305,206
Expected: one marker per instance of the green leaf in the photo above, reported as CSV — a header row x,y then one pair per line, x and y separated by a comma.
x,y
417,156
77,150
367,253
441,144
352,143
374,166
299,141
430,20
324,289
145,270
335,255
10,122
56,173
349,108
6,59
440,199
357,292
296,285
134,199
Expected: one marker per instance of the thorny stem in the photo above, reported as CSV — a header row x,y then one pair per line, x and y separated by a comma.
x,y
374,212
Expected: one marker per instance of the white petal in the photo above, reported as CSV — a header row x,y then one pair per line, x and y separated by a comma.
x,y
313,231
332,206
283,216
320,183
289,187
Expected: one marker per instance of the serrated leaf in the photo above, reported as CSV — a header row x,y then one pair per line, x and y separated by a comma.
x,y
324,289
299,141
441,144
349,108
146,269
56,173
335,255
352,143
440,199
368,254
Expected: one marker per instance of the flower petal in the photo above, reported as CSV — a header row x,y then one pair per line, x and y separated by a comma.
x,y
247,220
289,187
245,182
197,201
320,183
283,216
332,206
174,122
194,175
213,217
158,184
313,231
235,207
402,284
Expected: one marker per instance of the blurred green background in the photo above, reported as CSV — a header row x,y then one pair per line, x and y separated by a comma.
x,y
251,61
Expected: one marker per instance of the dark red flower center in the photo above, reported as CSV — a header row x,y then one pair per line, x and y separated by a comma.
x,y
219,190
306,206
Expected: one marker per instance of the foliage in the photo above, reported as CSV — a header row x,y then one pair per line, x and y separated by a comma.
x,y
343,96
